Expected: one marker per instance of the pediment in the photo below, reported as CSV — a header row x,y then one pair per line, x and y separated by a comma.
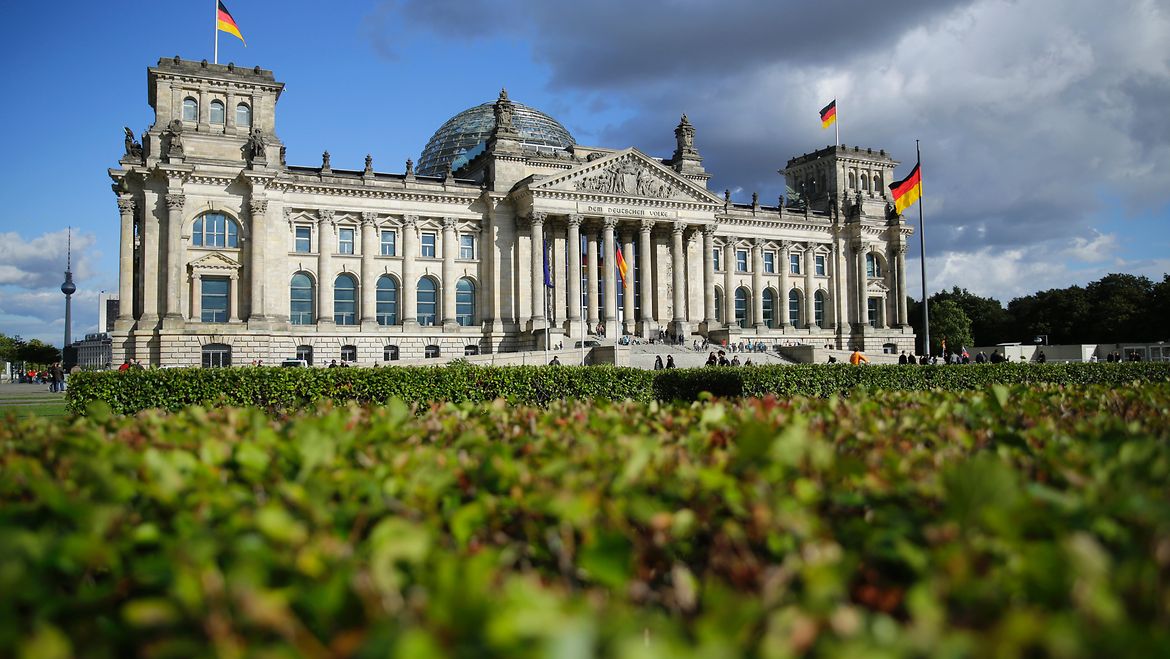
x,y
877,286
627,173
215,261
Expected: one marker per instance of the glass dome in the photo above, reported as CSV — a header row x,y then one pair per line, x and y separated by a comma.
x,y
465,135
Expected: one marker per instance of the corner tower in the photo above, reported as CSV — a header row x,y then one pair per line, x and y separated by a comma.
x,y
841,172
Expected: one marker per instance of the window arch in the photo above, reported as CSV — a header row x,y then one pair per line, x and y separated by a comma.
x,y
877,183
820,301
217,112
741,306
718,304
769,304
217,355
300,295
873,266
386,298
865,182
243,115
852,180
794,307
215,230
345,300
305,352
190,109
428,301
390,353
465,302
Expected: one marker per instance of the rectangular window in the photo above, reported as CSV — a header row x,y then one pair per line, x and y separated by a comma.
x,y
875,309
794,263
741,260
214,292
466,247
428,245
819,262
345,241
770,262
389,243
716,255
304,240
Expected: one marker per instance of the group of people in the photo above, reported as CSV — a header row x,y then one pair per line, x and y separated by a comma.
x,y
658,365
131,363
721,360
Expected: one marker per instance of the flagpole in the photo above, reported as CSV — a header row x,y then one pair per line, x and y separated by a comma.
x,y
215,28
837,124
922,255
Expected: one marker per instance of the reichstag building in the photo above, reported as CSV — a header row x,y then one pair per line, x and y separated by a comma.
x,y
504,236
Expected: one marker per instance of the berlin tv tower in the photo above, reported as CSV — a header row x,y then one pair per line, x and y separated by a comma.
x,y
68,289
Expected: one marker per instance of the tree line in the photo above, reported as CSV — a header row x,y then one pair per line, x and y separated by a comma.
x,y
32,352
1113,309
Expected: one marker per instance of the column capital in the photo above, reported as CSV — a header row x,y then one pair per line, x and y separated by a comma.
x,y
677,227
709,230
609,222
257,206
900,250
369,218
175,200
785,245
574,219
646,226
449,224
126,205
325,215
409,221
757,243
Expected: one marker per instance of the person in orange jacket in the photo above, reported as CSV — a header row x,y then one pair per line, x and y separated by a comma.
x,y
857,357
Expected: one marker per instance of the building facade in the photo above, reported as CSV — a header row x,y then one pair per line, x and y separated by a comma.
x,y
509,236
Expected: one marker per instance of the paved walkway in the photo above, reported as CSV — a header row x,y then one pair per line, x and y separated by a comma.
x,y
27,396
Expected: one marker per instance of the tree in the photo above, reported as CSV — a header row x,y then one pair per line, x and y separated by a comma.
x,y
1158,310
990,322
38,354
1120,303
1060,313
947,321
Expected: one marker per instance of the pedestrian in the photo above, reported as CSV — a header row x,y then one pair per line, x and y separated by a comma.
x,y
556,361
712,360
735,360
670,361
902,358
658,362
333,363
723,359
858,357
747,362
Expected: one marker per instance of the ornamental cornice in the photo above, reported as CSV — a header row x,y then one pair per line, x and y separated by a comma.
x,y
203,82
437,197
621,200
211,179
729,221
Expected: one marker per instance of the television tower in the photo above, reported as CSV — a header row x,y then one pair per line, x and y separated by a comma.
x,y
68,289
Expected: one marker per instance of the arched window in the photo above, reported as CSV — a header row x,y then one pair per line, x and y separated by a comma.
x,y
428,301
387,301
431,352
345,300
215,230
718,305
243,115
349,353
190,109
390,354
305,353
794,307
852,180
877,183
769,307
873,267
820,299
465,302
217,355
217,113
741,306
300,295
864,182
470,350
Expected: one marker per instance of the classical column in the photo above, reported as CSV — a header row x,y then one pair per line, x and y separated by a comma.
x,y
900,266
729,282
326,243
450,246
369,287
149,260
810,285
591,279
758,283
537,270
234,298
196,297
573,250
647,279
785,268
174,287
862,285
610,248
629,325
258,272
840,283
678,321
409,278
709,277
126,207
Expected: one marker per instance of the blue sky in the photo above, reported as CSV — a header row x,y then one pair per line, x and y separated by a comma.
x,y
1046,142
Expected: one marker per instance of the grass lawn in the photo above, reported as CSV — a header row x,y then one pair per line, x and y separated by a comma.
x,y
30,400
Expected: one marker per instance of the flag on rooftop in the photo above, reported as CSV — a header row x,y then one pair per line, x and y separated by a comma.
x,y
829,114
225,23
908,190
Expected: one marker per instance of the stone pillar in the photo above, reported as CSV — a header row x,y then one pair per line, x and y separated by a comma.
x,y
840,284
629,326
174,278
678,321
573,252
709,278
809,285
785,284
258,272
647,327
610,247
450,247
150,259
862,285
196,297
729,283
126,207
326,243
758,283
591,280
900,256
369,286
409,278
234,298
537,320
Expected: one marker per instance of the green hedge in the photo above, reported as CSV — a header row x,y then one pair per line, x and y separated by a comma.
x,y
1024,521
287,389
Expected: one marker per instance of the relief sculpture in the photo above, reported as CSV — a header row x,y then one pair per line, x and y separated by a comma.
x,y
627,178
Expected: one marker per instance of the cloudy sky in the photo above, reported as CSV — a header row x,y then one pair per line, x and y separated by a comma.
x,y
1045,124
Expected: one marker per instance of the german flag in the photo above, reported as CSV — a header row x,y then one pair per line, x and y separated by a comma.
x,y
908,190
225,23
828,113
622,268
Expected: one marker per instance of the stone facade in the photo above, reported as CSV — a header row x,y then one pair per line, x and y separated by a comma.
x,y
227,250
